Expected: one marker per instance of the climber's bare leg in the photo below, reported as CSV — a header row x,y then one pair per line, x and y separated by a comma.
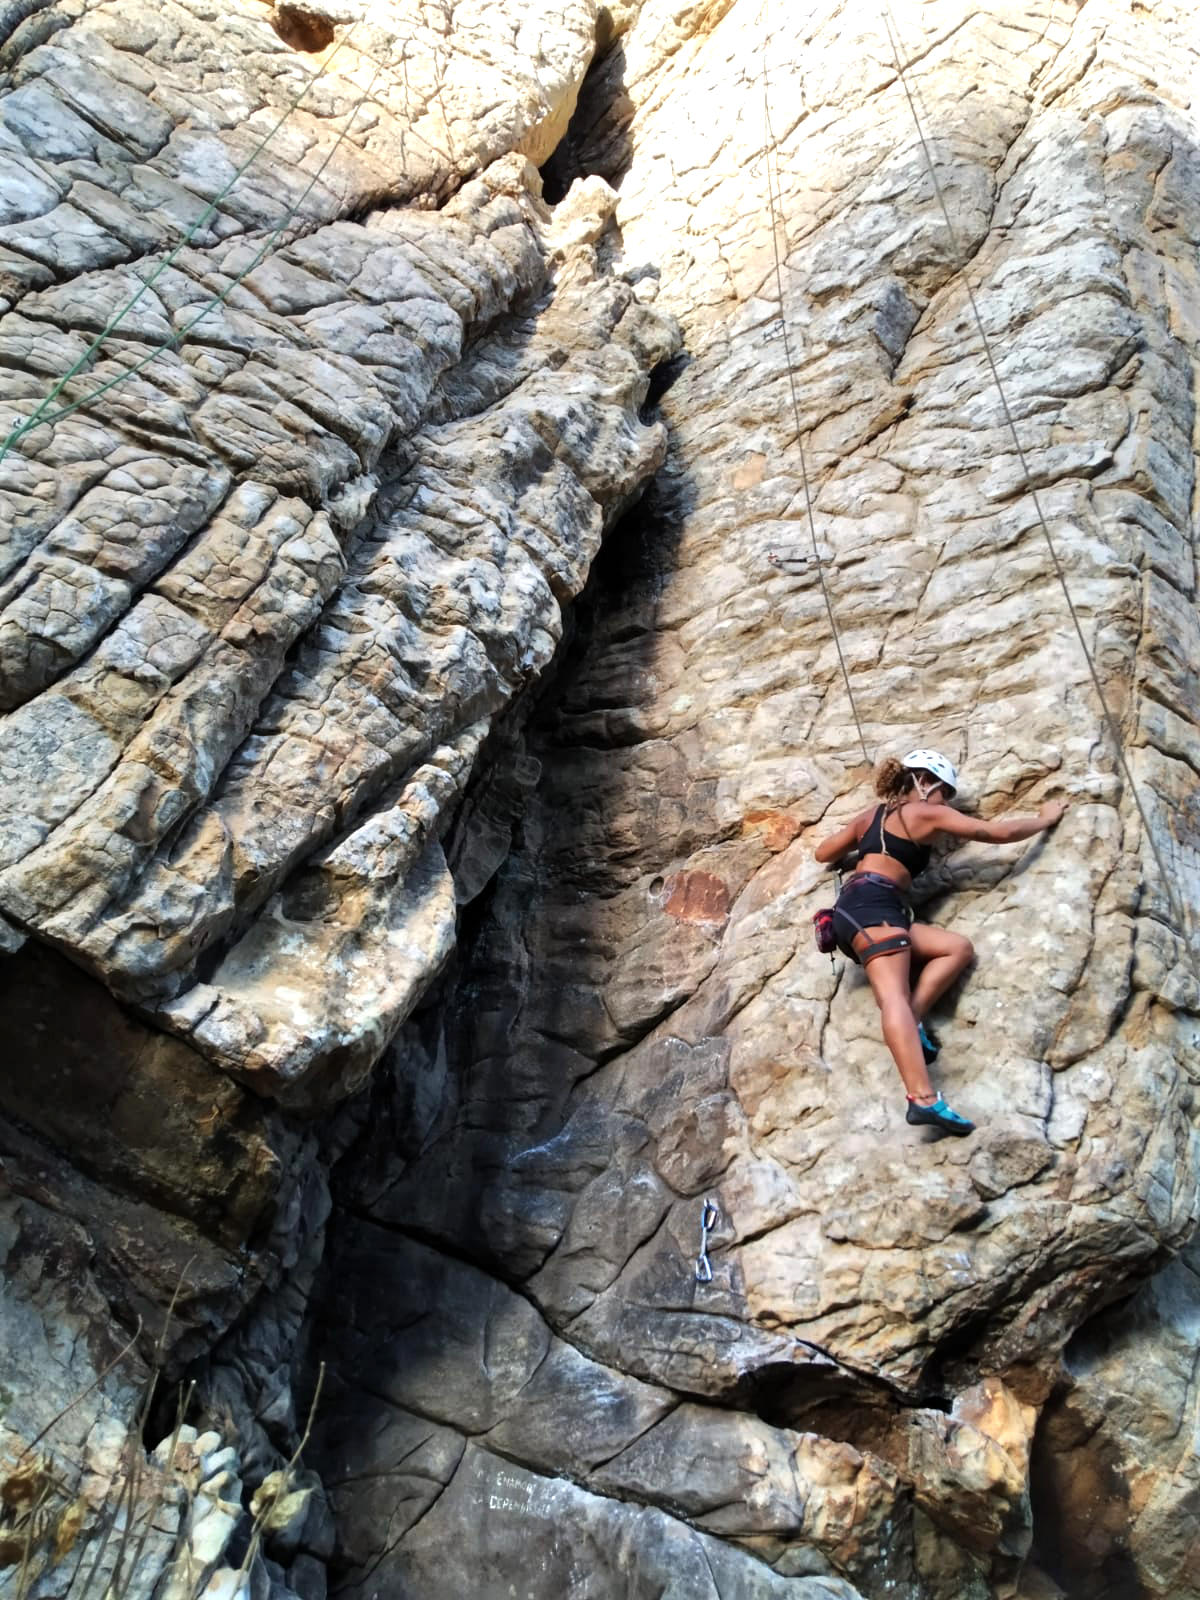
x,y
888,977
944,957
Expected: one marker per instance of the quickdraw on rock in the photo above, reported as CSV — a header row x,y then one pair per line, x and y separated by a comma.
x,y
790,560
709,1217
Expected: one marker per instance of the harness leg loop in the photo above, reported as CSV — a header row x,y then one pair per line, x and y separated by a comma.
x,y
884,947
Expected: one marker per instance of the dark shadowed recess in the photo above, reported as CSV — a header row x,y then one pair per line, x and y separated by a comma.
x,y
597,139
303,30
635,559
1080,1495
425,1098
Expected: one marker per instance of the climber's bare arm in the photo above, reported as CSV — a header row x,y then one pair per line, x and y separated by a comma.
x,y
1004,830
845,839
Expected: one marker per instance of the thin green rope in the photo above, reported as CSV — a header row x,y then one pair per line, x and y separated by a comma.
x,y
219,299
19,432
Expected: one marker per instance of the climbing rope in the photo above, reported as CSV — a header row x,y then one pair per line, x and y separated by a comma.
x,y
19,432
1109,719
776,224
211,305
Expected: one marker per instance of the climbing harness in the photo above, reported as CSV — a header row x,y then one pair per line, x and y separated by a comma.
x,y
826,937
85,360
826,933
883,947
1109,720
824,929
709,1217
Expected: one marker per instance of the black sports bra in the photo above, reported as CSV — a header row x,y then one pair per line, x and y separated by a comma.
x,y
874,842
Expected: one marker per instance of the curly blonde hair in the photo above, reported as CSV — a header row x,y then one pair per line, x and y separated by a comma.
x,y
892,780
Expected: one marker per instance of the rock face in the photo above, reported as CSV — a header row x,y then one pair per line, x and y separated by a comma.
x,y
1117,1455
407,887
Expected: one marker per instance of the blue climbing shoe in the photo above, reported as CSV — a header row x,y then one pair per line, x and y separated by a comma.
x,y
930,1043
938,1115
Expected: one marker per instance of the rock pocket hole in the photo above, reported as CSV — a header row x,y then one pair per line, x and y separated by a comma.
x,y
302,30
656,886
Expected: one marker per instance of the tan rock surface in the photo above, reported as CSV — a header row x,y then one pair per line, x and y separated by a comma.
x,y
278,750
640,1022
1117,1452
261,464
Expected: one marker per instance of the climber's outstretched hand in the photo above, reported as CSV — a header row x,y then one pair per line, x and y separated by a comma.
x,y
1052,813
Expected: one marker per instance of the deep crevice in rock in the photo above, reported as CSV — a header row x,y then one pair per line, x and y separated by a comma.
x,y
1081,1507
571,158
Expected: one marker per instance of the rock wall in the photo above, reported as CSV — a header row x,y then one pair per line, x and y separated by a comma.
x,y
408,896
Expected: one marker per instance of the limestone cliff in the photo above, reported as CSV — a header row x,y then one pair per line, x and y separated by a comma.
x,y
413,755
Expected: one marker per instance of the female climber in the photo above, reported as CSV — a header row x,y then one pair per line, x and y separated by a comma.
x,y
874,925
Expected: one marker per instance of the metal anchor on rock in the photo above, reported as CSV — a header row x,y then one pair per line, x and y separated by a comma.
x,y
790,559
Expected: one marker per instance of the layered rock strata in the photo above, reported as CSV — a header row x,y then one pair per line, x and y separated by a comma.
x,y
295,492
289,556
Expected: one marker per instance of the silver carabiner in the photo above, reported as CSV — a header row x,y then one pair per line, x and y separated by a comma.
x,y
710,1215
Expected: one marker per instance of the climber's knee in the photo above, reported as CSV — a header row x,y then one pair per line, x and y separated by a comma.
x,y
895,1010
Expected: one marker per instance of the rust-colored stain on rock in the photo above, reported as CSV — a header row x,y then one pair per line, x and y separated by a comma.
x,y
696,897
750,472
777,827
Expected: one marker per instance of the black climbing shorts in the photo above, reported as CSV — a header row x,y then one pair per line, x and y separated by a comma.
x,y
868,899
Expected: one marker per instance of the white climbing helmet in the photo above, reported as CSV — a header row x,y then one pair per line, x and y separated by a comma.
x,y
932,761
